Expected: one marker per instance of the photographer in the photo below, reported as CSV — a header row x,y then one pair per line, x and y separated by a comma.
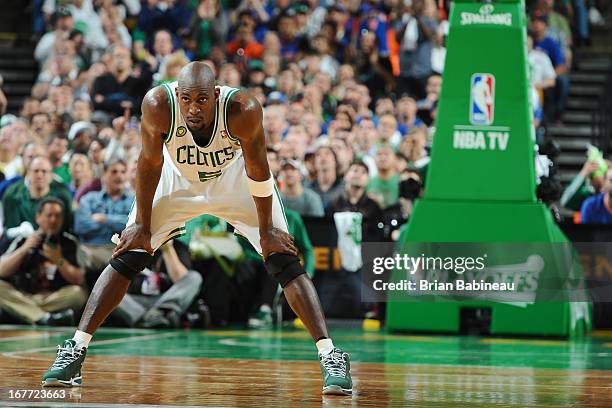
x,y
39,277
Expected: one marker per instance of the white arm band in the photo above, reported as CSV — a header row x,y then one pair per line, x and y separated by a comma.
x,y
261,188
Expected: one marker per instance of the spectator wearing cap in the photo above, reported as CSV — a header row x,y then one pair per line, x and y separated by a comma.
x,y
255,75
21,199
384,188
80,136
328,185
121,88
295,196
354,199
63,24
244,47
598,208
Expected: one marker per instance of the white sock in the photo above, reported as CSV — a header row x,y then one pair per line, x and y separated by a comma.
x,y
325,346
82,339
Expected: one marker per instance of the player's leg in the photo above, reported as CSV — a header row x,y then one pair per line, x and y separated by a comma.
x,y
239,210
167,221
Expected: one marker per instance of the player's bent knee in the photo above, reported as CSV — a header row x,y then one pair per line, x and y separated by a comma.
x,y
131,263
284,268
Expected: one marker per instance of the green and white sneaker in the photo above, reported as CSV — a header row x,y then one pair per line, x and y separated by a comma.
x,y
66,369
336,370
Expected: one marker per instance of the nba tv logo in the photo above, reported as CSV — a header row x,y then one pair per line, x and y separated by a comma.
x,y
482,99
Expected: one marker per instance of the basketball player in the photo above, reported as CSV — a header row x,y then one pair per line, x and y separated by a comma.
x,y
203,151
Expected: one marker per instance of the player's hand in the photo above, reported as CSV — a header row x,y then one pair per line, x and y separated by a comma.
x,y
134,237
277,241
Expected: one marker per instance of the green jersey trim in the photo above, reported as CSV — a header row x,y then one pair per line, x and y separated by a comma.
x,y
172,105
228,99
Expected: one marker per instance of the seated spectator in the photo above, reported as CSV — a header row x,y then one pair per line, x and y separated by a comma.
x,y
10,161
81,172
413,148
407,115
101,214
159,295
384,188
21,199
30,151
388,130
555,101
245,47
355,199
344,151
81,111
40,280
63,24
41,126
57,149
295,196
328,185
598,208
121,88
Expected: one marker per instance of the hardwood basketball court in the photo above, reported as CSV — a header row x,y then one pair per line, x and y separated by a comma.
x,y
279,369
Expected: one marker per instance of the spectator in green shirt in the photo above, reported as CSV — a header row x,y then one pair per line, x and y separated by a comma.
x,y
58,146
21,199
384,187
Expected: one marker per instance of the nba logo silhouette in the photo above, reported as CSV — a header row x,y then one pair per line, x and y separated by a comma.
x,y
482,99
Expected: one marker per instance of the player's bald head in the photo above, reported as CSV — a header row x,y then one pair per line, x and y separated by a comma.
x,y
196,75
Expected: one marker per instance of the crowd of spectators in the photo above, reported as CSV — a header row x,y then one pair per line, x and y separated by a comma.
x,y
350,92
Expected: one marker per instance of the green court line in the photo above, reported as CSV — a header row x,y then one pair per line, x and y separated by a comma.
x,y
365,347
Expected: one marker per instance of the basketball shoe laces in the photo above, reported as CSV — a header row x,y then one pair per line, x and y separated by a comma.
x,y
65,356
334,363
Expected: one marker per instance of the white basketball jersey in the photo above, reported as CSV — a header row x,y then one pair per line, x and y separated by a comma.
x,y
200,163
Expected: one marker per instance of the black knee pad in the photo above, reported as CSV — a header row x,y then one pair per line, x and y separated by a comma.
x,y
131,263
284,268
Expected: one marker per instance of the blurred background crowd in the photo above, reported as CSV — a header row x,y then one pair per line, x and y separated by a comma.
x,y
350,92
